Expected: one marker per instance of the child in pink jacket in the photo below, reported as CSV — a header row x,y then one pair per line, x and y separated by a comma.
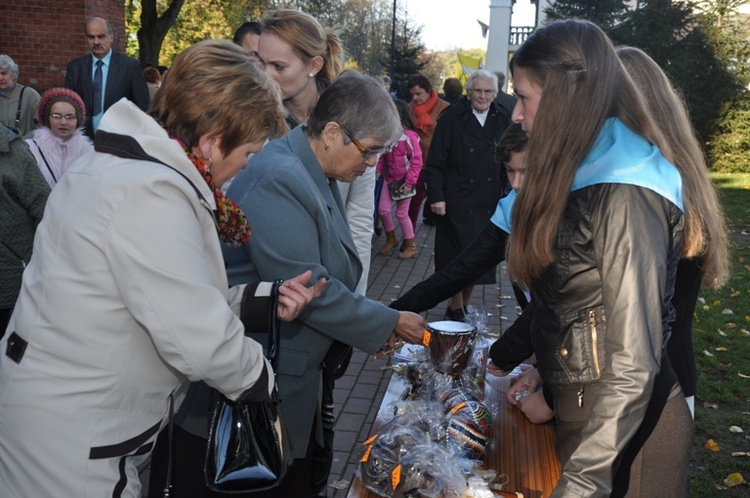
x,y
400,167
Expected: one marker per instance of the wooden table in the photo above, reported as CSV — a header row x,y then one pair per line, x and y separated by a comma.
x,y
525,452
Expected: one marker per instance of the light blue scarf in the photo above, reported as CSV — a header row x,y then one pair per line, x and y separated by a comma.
x,y
618,156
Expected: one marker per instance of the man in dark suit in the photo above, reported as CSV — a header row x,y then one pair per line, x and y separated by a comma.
x,y
103,77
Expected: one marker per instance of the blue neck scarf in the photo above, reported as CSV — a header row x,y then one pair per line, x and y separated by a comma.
x,y
618,156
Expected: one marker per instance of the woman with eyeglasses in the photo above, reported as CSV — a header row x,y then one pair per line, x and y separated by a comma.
x,y
293,181
60,140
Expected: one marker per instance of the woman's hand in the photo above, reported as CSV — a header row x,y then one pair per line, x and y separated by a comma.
x,y
524,385
438,208
294,296
410,327
536,409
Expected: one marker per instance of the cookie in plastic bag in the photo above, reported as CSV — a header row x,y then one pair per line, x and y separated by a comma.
x,y
428,472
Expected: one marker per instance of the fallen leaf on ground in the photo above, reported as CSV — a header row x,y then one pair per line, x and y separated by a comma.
x,y
711,445
721,348
717,303
342,484
722,333
740,453
734,479
727,311
702,300
735,429
744,376
707,353
713,406
731,325
744,332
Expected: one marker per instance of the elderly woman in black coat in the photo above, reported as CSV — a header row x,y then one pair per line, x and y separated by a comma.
x,y
464,182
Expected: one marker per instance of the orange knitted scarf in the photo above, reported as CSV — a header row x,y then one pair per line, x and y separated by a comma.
x,y
422,111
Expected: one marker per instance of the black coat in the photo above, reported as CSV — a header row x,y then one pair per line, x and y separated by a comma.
x,y
506,101
462,172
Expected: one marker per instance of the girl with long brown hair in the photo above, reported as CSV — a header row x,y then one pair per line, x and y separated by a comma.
x,y
607,210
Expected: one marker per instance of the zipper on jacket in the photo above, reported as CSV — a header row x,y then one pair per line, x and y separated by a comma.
x,y
580,397
594,339
14,253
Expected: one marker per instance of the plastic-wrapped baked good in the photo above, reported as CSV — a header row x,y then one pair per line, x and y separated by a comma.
x,y
428,472
383,452
477,369
427,416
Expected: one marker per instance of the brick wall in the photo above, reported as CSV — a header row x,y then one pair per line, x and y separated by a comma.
x,y
42,36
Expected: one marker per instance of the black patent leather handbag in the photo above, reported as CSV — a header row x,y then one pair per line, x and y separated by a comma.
x,y
248,449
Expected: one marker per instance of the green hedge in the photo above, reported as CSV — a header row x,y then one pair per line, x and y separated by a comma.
x,y
729,147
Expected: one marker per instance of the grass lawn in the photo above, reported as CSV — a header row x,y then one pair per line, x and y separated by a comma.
x,y
722,348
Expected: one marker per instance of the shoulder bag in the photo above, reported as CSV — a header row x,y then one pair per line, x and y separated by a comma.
x,y
248,448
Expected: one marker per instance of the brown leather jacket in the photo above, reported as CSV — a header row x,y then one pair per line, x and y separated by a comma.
x,y
599,322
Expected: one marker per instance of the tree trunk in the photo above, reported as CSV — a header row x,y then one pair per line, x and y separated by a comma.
x,y
154,29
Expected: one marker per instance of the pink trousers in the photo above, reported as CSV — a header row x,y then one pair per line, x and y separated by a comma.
x,y
402,213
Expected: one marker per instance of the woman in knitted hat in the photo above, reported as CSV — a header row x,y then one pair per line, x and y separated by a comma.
x,y
60,140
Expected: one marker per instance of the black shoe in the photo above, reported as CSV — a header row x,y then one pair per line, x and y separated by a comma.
x,y
428,221
455,315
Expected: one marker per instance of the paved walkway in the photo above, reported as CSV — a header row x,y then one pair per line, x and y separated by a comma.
x,y
358,394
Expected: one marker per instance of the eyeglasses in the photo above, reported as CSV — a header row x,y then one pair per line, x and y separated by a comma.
x,y
66,117
481,91
367,152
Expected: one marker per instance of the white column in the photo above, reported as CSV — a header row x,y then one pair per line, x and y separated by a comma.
x,y
499,36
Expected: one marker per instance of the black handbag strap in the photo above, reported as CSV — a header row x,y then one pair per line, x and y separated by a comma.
x,y
45,160
170,434
274,336
18,111
258,315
